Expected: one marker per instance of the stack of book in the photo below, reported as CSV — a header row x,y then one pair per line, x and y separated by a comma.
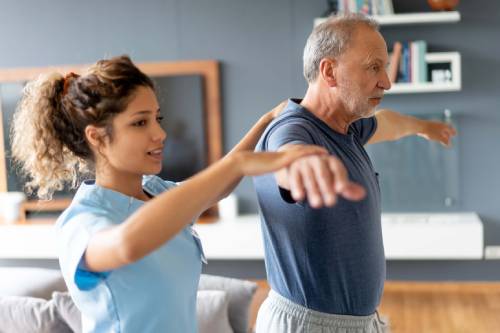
x,y
407,62
368,7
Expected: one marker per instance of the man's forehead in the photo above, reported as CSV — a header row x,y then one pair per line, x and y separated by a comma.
x,y
368,44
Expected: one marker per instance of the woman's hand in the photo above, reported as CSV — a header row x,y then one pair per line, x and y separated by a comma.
x,y
252,163
275,112
278,109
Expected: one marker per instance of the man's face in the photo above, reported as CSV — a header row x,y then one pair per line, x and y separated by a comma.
x,y
361,73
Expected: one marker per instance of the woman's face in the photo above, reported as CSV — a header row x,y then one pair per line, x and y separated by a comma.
x,y
138,138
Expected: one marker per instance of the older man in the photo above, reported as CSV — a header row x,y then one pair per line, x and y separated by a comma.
x,y
324,251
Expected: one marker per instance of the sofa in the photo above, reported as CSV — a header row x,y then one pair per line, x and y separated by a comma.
x,y
35,300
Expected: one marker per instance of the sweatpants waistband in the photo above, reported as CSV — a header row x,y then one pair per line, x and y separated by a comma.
x,y
320,318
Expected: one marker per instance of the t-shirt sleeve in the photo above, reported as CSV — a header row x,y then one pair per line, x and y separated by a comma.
x,y
364,128
289,133
73,238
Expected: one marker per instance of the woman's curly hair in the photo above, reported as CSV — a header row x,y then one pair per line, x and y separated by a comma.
x,y
48,127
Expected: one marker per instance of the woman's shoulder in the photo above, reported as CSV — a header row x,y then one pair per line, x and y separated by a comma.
x,y
82,210
156,185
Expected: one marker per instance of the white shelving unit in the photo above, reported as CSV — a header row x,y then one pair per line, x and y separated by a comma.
x,y
453,58
407,236
412,18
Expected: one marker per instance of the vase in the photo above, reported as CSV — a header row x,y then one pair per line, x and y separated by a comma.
x,y
443,4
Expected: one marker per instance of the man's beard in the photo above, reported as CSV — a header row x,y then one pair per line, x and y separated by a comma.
x,y
357,105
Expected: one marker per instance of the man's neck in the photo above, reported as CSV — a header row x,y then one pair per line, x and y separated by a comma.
x,y
327,108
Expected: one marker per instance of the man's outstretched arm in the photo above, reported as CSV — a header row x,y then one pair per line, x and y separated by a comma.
x,y
392,126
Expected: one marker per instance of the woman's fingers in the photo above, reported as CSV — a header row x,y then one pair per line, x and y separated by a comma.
x,y
325,178
353,192
278,109
296,184
311,186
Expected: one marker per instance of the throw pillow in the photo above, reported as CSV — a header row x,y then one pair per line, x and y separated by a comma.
x,y
240,294
30,315
211,312
32,282
68,310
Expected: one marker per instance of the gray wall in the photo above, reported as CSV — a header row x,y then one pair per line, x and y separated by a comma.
x,y
260,44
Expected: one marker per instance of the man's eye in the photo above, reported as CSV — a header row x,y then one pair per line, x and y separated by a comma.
x,y
159,119
375,68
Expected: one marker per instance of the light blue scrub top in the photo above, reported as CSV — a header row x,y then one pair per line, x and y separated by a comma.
x,y
154,294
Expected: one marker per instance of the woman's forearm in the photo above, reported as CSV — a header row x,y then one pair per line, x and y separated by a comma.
x,y
161,218
248,142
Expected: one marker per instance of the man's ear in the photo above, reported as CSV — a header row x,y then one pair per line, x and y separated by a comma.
x,y
94,136
328,71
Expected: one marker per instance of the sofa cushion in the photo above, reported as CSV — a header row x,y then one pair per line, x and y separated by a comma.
x,y
211,312
30,315
68,311
240,294
32,282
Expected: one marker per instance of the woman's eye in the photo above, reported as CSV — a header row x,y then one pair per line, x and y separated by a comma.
x,y
159,119
140,123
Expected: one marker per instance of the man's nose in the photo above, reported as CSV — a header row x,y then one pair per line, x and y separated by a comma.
x,y
384,82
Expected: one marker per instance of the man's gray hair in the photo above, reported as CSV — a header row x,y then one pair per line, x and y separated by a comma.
x,y
331,39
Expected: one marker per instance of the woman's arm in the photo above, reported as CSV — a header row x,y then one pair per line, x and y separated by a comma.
x,y
248,142
163,217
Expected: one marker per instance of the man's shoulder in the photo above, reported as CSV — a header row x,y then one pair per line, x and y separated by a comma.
x,y
289,126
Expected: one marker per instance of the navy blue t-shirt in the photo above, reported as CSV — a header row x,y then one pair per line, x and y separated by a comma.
x,y
328,259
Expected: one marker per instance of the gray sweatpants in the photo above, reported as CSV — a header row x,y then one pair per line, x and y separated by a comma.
x,y
279,315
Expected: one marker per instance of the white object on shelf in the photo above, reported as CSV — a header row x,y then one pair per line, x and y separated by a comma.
x,y
411,18
455,61
23,241
407,236
10,206
238,239
228,207
433,236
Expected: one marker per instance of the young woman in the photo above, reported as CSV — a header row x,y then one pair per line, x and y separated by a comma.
x,y
128,254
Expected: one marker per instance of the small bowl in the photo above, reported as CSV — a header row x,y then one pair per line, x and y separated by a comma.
x,y
443,4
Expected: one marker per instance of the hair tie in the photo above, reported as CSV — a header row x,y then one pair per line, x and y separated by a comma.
x,y
67,81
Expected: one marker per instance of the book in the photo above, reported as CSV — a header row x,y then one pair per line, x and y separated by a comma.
x,y
394,61
422,64
388,8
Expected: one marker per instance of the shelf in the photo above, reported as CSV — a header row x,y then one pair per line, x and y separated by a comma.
x,y
407,236
453,58
412,18
415,88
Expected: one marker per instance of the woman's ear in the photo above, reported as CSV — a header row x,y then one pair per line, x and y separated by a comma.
x,y
328,71
94,136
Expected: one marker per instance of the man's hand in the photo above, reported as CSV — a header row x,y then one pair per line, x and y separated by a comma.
x,y
320,179
392,125
437,131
